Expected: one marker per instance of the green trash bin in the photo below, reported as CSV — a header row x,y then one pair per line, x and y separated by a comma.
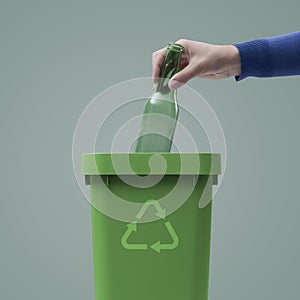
x,y
157,251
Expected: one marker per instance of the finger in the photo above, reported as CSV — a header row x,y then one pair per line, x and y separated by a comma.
x,y
183,64
157,61
182,77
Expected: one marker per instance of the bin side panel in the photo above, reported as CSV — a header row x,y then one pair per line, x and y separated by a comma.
x,y
156,272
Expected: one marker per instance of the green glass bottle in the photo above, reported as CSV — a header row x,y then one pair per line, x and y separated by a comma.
x,y
161,110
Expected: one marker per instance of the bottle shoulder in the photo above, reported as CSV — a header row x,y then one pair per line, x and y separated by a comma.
x,y
163,104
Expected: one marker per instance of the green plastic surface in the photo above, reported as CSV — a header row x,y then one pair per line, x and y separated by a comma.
x,y
106,163
167,259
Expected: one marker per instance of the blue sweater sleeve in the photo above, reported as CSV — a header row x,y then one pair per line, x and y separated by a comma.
x,y
270,57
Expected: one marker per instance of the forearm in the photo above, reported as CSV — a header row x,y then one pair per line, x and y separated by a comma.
x,y
270,57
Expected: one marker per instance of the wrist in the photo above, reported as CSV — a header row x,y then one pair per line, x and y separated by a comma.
x,y
233,60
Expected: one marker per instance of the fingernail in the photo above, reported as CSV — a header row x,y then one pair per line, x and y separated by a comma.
x,y
173,84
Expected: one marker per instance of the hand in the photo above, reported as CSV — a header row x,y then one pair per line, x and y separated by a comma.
x,y
200,60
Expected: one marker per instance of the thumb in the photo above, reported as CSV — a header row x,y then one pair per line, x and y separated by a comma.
x,y
182,77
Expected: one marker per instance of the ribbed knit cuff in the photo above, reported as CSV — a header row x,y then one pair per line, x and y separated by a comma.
x,y
256,59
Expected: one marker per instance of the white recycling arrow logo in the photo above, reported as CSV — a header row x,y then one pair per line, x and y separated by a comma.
x,y
157,246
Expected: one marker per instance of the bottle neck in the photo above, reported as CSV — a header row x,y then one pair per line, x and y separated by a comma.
x,y
169,67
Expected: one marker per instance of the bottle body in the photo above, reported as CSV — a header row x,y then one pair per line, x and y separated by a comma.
x,y
158,124
161,110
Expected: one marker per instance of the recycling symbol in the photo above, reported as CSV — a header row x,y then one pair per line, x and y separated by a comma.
x,y
157,246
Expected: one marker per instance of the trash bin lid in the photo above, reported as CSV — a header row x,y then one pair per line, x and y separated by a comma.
x,y
154,163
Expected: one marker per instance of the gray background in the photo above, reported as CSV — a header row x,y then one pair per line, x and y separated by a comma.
x,y
56,56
